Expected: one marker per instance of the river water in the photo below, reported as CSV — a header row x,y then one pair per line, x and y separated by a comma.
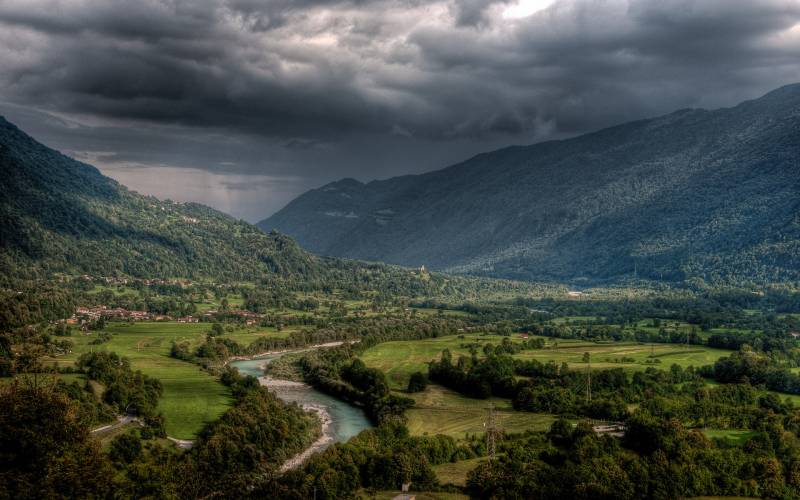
x,y
346,420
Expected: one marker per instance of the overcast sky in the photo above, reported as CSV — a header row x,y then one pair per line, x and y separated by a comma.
x,y
243,104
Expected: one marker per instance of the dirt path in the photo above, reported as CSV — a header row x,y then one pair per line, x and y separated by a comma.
x,y
119,423
122,421
183,444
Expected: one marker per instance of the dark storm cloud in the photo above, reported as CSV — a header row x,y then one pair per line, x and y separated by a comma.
x,y
313,90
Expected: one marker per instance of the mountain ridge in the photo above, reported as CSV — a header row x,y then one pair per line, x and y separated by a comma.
x,y
62,215
645,198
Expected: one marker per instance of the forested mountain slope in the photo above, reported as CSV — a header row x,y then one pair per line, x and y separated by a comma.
x,y
60,215
694,194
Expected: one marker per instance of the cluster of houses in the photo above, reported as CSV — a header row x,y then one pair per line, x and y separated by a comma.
x,y
87,314
93,313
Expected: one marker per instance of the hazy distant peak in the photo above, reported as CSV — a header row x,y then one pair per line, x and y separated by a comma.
x,y
346,183
695,193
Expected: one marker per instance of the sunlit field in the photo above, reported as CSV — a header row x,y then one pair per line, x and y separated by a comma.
x,y
191,396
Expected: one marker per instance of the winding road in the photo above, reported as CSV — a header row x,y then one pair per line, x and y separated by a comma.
x,y
121,421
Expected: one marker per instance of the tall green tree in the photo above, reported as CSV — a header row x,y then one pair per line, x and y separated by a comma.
x,y
45,452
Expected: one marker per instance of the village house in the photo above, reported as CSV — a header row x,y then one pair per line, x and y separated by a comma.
x,y
117,312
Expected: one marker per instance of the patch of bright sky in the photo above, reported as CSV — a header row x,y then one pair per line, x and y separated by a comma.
x,y
525,8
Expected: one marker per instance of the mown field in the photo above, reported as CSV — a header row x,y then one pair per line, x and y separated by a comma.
x,y
628,355
648,325
398,360
246,336
191,396
441,411
402,358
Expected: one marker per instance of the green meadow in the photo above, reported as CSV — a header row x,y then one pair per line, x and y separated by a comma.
x,y
733,436
247,336
631,356
456,472
191,396
438,410
398,360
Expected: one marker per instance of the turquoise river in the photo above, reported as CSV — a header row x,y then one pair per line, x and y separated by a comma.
x,y
346,420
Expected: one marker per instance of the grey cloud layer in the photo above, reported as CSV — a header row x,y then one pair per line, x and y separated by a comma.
x,y
316,69
319,89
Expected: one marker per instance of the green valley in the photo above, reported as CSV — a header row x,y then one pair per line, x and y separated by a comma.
x,y
157,349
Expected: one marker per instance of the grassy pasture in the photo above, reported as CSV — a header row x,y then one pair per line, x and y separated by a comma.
x,y
234,301
398,360
647,325
614,355
734,436
564,320
247,336
191,396
456,472
441,411
794,398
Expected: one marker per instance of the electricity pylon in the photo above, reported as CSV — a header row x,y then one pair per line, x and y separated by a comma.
x,y
491,432
588,381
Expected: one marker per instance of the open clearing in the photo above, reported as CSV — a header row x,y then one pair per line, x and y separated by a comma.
x,y
441,411
191,396
456,472
734,436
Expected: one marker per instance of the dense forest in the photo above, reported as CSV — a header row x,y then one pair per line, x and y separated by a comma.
x,y
47,451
